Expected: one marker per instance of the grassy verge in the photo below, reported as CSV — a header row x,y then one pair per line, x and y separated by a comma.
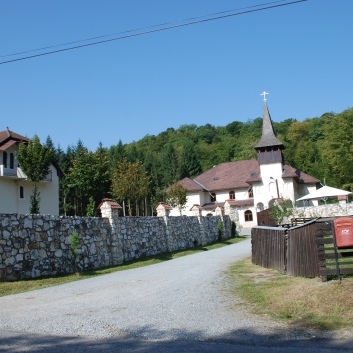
x,y
8,288
304,302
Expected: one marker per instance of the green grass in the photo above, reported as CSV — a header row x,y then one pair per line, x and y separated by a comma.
x,y
303,302
8,288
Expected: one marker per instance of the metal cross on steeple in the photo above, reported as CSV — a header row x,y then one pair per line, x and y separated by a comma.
x,y
264,94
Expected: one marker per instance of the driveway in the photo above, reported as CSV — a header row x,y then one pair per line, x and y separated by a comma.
x,y
178,305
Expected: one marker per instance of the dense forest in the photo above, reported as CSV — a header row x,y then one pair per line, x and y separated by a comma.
x,y
138,173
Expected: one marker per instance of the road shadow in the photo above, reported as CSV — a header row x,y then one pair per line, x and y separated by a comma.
x,y
243,340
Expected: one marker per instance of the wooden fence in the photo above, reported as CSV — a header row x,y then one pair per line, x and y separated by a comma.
x,y
332,261
307,250
264,219
302,254
269,247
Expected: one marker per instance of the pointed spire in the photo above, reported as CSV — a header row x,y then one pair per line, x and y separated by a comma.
x,y
268,137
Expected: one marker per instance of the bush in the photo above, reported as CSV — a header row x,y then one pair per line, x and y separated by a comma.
x,y
233,230
220,230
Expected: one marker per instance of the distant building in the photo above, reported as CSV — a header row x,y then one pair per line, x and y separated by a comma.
x,y
251,185
15,189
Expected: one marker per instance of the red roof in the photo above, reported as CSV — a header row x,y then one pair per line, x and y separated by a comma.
x,y
231,175
112,203
7,135
238,175
290,172
165,206
192,185
240,203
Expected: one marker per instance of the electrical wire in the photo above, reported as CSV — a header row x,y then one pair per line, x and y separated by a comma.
x,y
139,29
151,31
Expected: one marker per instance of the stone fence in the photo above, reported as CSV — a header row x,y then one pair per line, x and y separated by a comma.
x,y
328,210
39,245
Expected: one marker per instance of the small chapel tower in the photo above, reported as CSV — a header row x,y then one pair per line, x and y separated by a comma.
x,y
269,148
269,153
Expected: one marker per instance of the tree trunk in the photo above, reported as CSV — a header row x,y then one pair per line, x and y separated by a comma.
x,y
129,208
124,208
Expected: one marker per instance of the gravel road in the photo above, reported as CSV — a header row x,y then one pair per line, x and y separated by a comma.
x,y
185,299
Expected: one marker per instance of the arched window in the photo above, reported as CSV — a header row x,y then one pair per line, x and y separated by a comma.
x,y
4,159
260,206
231,195
22,192
213,197
11,161
209,215
250,194
248,216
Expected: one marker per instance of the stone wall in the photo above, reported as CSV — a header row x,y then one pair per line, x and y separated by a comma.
x,y
39,245
328,210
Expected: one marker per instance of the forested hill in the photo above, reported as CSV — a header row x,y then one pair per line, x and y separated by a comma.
x,y
321,147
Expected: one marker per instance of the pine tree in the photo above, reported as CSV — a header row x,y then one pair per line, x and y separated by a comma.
x,y
189,163
169,165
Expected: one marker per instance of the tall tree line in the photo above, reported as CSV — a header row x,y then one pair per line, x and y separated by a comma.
x,y
320,146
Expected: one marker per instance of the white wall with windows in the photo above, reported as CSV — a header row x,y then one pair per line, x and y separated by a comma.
x,y
15,190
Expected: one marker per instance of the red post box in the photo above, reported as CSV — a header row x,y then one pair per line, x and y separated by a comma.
x,y
344,232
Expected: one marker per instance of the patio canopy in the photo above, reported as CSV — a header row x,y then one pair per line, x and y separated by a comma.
x,y
325,191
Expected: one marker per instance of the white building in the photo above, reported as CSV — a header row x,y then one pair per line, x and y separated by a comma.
x,y
251,185
15,189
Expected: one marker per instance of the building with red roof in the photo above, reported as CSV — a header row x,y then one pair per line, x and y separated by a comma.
x,y
15,189
249,185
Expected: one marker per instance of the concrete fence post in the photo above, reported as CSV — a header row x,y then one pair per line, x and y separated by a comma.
x,y
110,209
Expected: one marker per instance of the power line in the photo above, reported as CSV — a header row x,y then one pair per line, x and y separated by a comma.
x,y
138,29
152,31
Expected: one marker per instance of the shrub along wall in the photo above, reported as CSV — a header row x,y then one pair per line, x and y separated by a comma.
x,y
39,245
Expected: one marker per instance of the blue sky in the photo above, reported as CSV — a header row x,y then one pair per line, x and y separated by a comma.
x,y
212,72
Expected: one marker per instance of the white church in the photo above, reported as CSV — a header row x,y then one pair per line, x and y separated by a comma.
x,y
249,186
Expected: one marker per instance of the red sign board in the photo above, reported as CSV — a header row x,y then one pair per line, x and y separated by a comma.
x,y
344,232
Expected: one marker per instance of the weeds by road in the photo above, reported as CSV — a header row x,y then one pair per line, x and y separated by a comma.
x,y
8,288
303,302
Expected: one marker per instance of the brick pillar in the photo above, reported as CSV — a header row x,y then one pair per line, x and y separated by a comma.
x,y
110,209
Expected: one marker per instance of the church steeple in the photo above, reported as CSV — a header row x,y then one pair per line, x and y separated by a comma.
x,y
269,148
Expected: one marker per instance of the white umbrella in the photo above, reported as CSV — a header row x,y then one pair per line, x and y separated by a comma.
x,y
325,191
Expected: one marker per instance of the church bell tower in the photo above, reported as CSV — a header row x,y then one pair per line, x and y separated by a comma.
x,y
269,148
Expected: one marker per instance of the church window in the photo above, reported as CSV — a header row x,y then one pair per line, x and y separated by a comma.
x,y
250,194
22,192
231,195
11,161
213,197
248,216
258,189
4,159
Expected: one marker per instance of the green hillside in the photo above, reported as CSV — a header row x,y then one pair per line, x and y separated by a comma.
x,y
321,147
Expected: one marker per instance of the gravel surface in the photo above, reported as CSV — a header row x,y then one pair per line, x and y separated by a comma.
x,y
182,299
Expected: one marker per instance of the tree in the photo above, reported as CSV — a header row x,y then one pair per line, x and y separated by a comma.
x,y
35,161
177,196
337,150
189,163
282,208
89,174
130,182
169,165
